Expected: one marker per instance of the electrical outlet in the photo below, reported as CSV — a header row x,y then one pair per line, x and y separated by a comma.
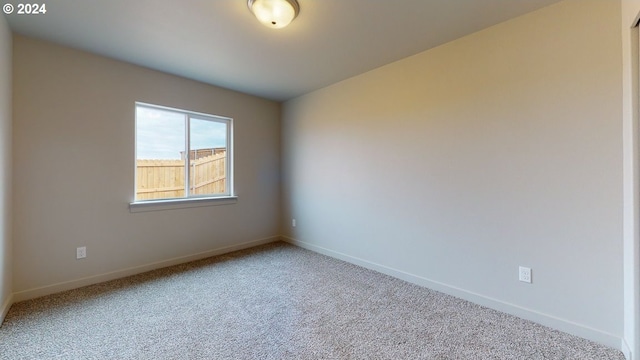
x,y
81,252
524,274
293,222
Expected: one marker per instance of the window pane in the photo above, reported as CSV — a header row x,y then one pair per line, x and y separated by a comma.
x,y
208,157
160,150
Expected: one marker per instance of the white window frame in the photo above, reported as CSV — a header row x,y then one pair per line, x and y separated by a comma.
x,y
189,200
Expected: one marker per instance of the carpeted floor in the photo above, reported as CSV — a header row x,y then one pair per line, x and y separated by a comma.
x,y
274,302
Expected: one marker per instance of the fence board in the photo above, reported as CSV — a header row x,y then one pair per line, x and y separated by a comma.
x,y
161,179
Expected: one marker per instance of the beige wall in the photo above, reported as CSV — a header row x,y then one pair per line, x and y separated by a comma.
x,y
6,270
74,169
631,261
453,167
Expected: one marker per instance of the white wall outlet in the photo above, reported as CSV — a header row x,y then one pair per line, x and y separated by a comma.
x,y
524,274
81,252
293,222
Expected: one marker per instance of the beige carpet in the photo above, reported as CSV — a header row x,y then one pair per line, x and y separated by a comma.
x,y
274,302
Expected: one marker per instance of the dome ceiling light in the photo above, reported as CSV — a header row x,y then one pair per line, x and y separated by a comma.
x,y
275,14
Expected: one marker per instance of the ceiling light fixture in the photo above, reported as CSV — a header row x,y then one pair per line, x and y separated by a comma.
x,y
274,13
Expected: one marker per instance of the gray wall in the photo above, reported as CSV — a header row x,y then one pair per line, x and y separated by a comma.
x,y
74,170
631,261
6,270
453,167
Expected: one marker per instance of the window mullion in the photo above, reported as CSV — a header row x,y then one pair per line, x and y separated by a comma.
x,y
187,158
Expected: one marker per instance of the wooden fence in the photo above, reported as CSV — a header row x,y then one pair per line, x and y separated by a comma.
x,y
161,179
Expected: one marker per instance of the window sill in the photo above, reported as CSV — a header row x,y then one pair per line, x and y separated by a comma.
x,y
158,205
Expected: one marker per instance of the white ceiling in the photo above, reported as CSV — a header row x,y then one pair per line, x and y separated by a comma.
x,y
221,43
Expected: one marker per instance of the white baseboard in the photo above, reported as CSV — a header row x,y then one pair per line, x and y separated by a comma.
x,y
5,307
564,325
95,279
626,350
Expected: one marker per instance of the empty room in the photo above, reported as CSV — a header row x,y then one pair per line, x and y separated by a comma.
x,y
304,179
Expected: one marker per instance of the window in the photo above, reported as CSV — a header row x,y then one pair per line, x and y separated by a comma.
x,y
182,154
